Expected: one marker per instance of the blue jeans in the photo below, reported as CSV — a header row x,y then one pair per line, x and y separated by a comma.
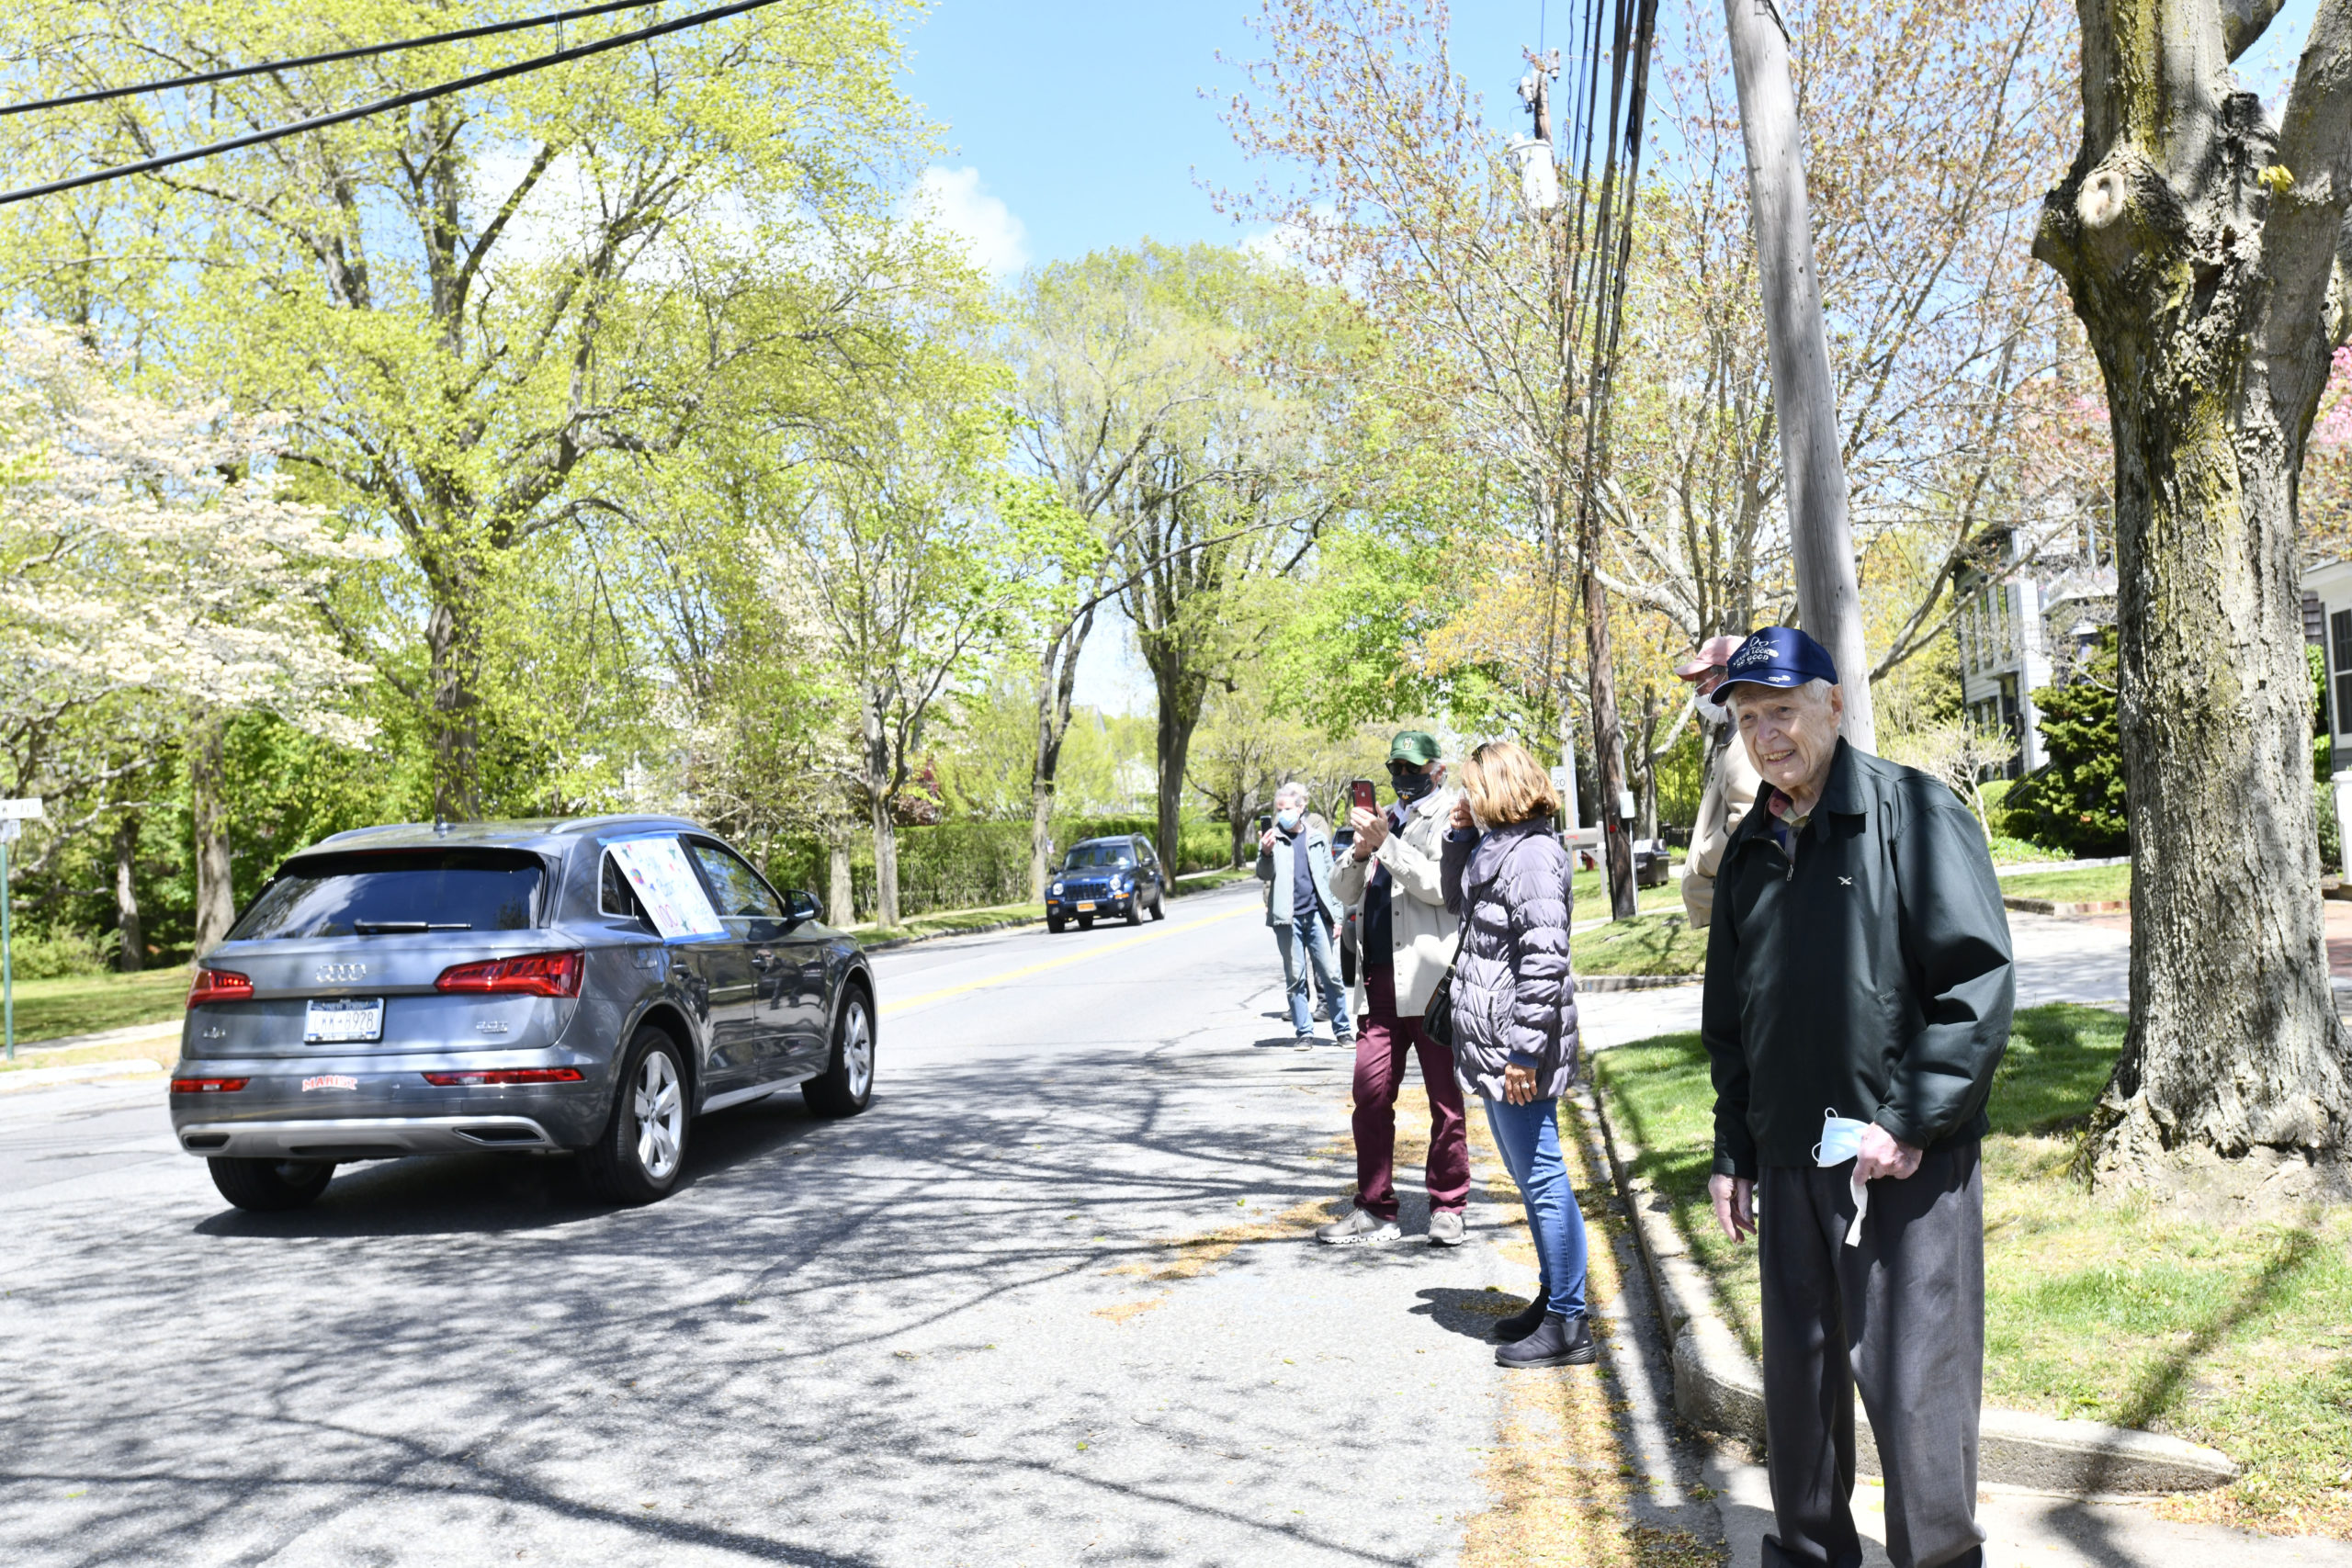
x,y
1308,943
1529,1138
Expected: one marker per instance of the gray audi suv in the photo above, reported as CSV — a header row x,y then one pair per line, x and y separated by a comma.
x,y
585,984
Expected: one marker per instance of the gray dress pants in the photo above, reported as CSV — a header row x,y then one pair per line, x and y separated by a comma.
x,y
1900,1316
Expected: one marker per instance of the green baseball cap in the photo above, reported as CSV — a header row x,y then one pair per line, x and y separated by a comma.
x,y
1414,746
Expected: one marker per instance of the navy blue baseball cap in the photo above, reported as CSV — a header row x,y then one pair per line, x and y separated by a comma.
x,y
1780,656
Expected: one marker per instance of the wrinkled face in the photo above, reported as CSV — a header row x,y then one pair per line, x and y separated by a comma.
x,y
1791,736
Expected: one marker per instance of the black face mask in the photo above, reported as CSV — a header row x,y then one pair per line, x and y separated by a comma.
x,y
1409,781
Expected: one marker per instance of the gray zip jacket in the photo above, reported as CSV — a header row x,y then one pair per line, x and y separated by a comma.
x,y
1514,996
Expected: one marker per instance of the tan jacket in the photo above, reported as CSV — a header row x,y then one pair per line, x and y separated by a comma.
x,y
1425,932
1732,784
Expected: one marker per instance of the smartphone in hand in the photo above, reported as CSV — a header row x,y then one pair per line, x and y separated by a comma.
x,y
1362,794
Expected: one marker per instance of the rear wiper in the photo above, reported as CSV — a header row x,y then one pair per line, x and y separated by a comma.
x,y
384,928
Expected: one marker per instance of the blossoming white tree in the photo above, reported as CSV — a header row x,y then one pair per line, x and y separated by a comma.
x,y
149,550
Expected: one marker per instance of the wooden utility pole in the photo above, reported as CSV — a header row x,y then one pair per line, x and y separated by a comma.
x,y
1804,399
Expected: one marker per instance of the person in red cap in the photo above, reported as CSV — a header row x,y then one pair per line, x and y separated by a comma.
x,y
1731,776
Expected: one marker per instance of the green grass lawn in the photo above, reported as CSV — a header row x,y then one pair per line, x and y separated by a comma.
x,y
2097,884
1592,897
2114,1306
1649,945
84,1003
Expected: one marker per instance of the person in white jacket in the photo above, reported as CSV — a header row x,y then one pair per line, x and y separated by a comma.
x,y
1407,935
1732,779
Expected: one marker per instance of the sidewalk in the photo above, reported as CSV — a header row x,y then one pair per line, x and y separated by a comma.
x,y
2058,961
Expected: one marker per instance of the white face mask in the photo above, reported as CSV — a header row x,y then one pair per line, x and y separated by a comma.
x,y
1712,711
1841,1140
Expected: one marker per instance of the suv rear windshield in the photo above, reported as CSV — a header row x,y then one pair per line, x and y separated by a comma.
x,y
393,892
1088,855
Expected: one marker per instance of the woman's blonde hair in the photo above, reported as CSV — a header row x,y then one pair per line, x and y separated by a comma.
x,y
1506,785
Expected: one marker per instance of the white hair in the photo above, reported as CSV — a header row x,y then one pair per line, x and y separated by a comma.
x,y
1815,690
1294,790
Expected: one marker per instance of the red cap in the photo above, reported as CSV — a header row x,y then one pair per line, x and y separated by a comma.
x,y
1712,654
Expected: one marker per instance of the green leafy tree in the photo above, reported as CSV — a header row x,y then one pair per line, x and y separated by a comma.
x,y
2075,800
486,309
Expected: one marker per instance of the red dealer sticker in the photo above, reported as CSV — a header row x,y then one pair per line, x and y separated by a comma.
x,y
330,1081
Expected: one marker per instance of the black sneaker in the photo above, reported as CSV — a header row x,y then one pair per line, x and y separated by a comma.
x,y
1519,1324
1556,1342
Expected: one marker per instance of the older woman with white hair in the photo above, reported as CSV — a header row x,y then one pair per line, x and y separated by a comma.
x,y
1295,863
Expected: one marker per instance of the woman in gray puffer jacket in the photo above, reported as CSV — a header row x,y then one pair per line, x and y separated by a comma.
x,y
1507,876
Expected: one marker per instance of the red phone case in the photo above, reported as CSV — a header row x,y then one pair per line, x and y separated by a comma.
x,y
1360,794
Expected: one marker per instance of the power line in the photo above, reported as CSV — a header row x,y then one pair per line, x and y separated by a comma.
x,y
487,29
381,106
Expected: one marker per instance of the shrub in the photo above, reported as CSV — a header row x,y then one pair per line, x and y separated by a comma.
x,y
54,953
2075,802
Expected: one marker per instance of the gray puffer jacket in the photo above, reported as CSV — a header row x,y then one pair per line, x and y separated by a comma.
x,y
1514,996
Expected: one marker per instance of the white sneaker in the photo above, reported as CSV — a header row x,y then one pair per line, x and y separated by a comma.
x,y
1358,1228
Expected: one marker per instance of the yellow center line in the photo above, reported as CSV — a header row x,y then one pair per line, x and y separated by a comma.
x,y
930,997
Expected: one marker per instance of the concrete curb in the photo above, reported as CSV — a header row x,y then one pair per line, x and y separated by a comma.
x,y
123,1036
1717,1387
80,1072
2065,911
1636,982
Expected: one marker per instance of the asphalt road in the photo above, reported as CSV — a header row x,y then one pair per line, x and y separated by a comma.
x,y
949,1331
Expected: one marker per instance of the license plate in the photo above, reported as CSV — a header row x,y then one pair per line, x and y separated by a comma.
x,y
344,1019
1086,904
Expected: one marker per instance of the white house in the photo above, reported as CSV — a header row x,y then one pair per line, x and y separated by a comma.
x,y
2014,634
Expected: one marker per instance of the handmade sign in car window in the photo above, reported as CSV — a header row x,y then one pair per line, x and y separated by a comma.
x,y
666,885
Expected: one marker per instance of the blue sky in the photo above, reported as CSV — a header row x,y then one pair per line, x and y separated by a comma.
x,y
1086,120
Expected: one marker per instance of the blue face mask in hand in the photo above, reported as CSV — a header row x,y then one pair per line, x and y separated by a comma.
x,y
1841,1140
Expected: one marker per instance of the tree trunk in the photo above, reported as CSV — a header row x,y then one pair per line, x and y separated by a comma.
x,y
216,900
1804,397
131,956
1056,692
457,737
1608,732
2202,289
840,899
1180,694
886,863
1571,816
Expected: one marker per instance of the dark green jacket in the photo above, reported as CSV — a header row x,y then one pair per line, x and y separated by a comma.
x,y
1872,976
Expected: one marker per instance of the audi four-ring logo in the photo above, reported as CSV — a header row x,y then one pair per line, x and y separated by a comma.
x,y
340,974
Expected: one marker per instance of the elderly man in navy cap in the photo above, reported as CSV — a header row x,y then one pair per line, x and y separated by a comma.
x,y
1857,999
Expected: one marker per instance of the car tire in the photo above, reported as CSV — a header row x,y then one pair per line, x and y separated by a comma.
x,y
1135,910
643,1147
1160,904
1055,923
847,1086
270,1186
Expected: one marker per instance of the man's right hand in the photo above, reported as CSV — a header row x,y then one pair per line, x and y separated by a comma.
x,y
1735,1198
1370,828
1266,841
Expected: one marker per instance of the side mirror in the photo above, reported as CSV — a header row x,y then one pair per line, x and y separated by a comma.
x,y
800,907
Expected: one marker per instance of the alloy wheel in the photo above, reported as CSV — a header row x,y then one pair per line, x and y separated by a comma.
x,y
660,1108
857,1047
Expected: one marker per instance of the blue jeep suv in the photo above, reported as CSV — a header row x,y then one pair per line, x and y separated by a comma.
x,y
1103,877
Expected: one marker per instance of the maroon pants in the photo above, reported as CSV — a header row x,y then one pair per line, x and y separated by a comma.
x,y
1381,1044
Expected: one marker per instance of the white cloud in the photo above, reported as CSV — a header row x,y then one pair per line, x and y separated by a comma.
x,y
955,200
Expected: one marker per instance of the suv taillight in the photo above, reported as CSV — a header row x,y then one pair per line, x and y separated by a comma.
x,y
528,974
218,986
